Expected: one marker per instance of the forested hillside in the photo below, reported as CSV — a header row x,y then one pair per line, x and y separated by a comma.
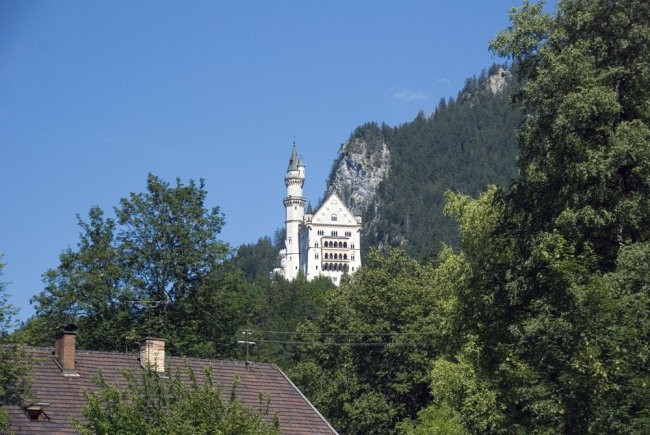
x,y
466,144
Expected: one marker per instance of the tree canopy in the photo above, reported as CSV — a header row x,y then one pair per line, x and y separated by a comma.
x,y
366,362
157,268
15,371
555,300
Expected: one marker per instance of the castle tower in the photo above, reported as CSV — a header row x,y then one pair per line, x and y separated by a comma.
x,y
294,204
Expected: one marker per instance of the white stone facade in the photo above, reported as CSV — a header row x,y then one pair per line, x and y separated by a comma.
x,y
324,243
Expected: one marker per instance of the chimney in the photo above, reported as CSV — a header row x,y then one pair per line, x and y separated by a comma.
x,y
64,349
152,354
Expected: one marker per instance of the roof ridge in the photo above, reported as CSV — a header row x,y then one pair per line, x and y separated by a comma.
x,y
49,349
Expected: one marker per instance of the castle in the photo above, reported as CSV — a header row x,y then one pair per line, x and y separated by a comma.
x,y
324,243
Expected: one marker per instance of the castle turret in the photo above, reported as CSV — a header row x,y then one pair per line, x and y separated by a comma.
x,y
294,204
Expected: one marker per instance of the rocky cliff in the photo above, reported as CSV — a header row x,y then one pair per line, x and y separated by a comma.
x,y
362,163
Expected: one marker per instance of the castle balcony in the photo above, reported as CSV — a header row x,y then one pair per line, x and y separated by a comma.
x,y
334,266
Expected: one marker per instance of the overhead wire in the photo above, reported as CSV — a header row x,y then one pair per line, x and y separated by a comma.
x,y
355,343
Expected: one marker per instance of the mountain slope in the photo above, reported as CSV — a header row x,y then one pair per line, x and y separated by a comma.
x,y
396,177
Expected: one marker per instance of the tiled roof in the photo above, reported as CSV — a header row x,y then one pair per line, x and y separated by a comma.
x,y
65,394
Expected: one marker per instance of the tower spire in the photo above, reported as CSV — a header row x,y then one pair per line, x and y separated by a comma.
x,y
294,204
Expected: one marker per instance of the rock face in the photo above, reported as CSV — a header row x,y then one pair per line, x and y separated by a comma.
x,y
498,81
361,165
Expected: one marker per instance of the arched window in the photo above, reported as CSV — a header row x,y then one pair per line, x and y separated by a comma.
x,y
345,244
333,217
345,256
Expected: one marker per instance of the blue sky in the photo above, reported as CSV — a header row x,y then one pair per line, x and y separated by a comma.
x,y
94,95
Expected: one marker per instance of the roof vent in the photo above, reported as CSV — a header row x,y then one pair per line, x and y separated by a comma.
x,y
36,411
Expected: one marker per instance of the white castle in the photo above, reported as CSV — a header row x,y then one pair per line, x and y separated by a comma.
x,y
323,243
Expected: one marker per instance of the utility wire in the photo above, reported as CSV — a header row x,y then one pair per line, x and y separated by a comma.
x,y
343,343
345,334
356,336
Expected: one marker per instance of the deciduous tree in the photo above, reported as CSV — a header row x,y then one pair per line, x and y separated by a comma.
x,y
367,362
549,297
15,371
157,268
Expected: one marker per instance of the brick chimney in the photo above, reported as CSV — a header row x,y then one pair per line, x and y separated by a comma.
x,y
64,349
152,354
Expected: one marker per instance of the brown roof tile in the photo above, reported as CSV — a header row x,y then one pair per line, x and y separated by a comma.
x,y
65,395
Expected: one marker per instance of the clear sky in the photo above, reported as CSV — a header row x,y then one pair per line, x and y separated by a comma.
x,y
95,94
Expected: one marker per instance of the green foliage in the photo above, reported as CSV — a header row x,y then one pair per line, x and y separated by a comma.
x,y
15,371
258,260
366,362
455,385
182,403
158,269
553,297
282,306
433,421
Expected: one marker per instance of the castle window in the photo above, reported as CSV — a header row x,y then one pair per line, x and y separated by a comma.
x,y
289,240
345,256
348,234
333,218
335,233
316,256
321,232
345,244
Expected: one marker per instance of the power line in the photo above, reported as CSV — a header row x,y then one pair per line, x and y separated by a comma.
x,y
350,343
354,339
345,334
